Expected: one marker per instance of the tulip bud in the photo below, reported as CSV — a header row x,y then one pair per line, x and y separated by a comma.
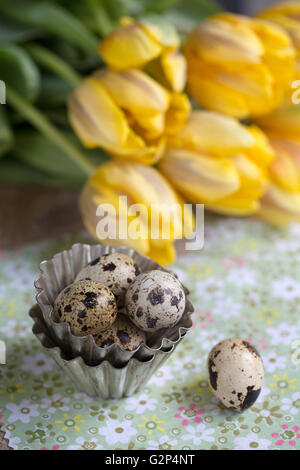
x,y
129,47
143,98
283,122
280,204
285,169
279,207
126,113
96,118
143,43
286,15
149,200
239,66
217,161
199,178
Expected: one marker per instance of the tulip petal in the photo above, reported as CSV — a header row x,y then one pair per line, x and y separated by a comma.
x,y
280,207
261,152
92,196
197,177
164,253
239,94
149,126
215,96
283,122
143,184
222,42
279,56
134,91
207,131
95,117
283,169
237,205
146,186
286,15
143,97
253,179
238,65
292,147
177,113
174,68
161,31
136,150
129,46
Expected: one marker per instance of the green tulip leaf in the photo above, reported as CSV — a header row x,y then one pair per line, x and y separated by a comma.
x,y
53,63
19,71
73,56
54,91
35,150
52,18
184,14
6,136
58,116
93,14
15,172
12,31
119,8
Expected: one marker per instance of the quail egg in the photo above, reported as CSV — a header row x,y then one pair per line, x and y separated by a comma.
x,y
116,271
236,373
122,332
88,306
155,300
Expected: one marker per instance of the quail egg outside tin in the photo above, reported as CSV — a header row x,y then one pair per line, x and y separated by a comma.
x,y
236,373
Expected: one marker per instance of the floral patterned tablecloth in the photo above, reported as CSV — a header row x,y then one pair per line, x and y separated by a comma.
x,y
245,282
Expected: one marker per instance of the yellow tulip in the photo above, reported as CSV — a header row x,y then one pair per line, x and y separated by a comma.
x,y
285,169
142,185
286,15
143,43
239,66
126,113
283,122
217,161
281,203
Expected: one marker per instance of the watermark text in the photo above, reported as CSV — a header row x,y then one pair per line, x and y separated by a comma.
x,y
2,352
2,92
296,94
154,222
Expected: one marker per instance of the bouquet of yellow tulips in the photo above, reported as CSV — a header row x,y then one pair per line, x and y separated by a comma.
x,y
210,116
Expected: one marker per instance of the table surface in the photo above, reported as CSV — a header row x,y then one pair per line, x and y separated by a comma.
x,y
245,283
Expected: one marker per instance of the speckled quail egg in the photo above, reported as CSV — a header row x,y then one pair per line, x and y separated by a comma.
x,y
155,300
236,373
122,332
116,271
88,306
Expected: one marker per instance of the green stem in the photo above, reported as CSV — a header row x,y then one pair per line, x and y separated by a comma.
x,y
38,120
104,24
54,63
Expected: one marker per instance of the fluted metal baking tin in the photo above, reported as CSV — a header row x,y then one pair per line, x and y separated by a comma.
x,y
61,270
104,380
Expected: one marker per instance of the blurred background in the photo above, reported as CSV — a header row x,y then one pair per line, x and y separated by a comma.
x,y
245,6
